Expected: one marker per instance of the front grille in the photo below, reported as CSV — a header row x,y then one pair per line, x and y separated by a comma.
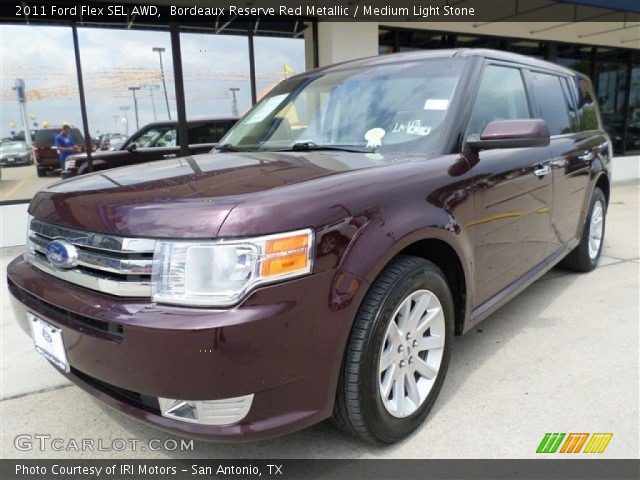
x,y
107,330
139,400
106,263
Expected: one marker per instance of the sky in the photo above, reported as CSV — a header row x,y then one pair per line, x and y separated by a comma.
x,y
115,59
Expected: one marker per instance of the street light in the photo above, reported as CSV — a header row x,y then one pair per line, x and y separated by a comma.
x,y
234,104
135,104
164,83
152,87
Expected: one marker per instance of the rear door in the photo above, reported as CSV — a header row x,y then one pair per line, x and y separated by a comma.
x,y
513,191
203,137
573,149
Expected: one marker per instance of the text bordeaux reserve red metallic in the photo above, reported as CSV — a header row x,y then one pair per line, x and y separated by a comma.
x,y
320,260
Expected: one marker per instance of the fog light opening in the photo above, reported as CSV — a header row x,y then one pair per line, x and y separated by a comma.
x,y
207,412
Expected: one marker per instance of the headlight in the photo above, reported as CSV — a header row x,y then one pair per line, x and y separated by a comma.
x,y
69,163
222,272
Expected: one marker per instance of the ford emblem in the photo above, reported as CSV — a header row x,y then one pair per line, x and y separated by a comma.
x,y
61,254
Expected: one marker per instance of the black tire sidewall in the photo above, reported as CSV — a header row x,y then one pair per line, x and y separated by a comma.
x,y
591,263
383,425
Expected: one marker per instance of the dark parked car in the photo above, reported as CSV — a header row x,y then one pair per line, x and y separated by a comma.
x,y
156,141
319,263
15,153
45,151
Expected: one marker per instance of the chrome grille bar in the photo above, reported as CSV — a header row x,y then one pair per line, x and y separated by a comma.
x,y
110,264
98,241
100,261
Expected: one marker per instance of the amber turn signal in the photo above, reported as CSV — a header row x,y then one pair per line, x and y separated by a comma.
x,y
286,255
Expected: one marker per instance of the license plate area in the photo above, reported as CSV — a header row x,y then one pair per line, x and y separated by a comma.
x,y
47,340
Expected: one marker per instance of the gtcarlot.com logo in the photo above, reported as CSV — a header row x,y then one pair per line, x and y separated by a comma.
x,y
574,442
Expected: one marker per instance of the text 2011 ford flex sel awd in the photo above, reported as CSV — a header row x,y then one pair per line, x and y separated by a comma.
x,y
320,261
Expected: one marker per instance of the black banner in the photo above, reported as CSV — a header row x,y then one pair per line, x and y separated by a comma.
x,y
547,469
208,11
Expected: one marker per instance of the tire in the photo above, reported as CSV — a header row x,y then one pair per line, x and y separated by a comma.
x,y
360,408
583,258
42,172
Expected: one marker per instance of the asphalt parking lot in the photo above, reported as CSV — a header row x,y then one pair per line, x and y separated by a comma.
x,y
22,182
561,357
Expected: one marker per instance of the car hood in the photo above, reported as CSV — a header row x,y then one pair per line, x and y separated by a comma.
x,y
192,196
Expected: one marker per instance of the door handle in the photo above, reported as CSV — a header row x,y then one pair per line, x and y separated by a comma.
x,y
169,155
586,156
542,170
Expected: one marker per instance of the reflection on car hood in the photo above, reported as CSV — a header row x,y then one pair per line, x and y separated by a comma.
x,y
194,193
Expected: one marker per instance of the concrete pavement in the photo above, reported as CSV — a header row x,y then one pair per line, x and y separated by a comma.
x,y
22,182
561,357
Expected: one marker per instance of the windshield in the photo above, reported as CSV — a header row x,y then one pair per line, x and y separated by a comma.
x,y
13,147
164,136
397,107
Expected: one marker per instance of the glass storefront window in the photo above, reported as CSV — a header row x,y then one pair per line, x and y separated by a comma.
x,y
114,62
610,86
276,59
216,74
632,142
39,56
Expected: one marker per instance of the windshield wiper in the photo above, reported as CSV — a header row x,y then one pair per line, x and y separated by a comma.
x,y
227,147
312,146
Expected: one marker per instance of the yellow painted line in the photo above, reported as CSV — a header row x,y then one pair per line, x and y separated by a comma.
x,y
14,189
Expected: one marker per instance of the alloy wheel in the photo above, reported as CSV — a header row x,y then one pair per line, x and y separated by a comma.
x,y
411,353
596,229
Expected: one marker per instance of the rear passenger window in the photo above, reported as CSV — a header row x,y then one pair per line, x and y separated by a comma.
x,y
501,96
553,104
587,112
207,133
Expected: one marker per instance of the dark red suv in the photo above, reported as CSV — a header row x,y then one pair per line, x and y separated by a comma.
x,y
45,151
319,263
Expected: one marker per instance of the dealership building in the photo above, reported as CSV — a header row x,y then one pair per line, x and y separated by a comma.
x,y
601,40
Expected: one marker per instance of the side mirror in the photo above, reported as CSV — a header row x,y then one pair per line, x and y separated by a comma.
x,y
511,134
132,147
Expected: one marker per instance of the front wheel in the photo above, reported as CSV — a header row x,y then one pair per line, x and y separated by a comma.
x,y
397,354
586,255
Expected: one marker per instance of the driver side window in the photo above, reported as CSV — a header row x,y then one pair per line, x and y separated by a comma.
x,y
501,96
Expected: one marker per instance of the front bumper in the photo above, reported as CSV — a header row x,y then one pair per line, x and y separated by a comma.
x,y
283,344
17,160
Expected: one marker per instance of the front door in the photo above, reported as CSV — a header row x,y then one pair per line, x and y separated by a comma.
x,y
513,193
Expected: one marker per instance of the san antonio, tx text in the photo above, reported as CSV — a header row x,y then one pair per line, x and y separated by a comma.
x,y
360,11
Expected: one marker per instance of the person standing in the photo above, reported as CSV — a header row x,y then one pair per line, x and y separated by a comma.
x,y
65,145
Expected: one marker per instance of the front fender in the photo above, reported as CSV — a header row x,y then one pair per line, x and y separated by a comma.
x,y
385,236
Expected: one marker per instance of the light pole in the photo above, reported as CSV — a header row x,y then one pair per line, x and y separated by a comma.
x,y
124,110
115,123
164,83
151,88
234,102
135,104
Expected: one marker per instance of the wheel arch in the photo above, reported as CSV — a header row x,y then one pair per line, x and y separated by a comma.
x,y
445,257
447,251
